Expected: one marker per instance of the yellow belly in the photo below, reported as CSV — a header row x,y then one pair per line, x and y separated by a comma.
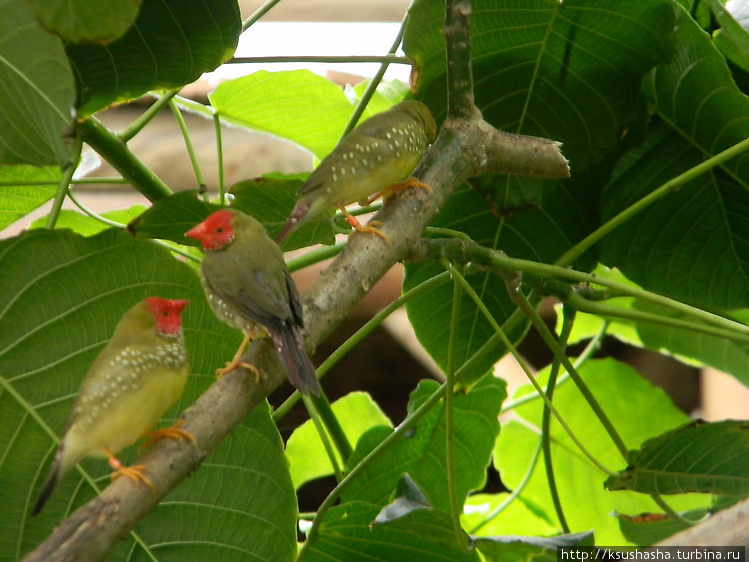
x,y
127,419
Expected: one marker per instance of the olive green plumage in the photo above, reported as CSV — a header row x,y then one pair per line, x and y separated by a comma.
x,y
133,381
382,150
248,286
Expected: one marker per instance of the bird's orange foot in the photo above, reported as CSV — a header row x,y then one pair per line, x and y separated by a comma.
x,y
134,473
173,432
370,228
232,365
390,191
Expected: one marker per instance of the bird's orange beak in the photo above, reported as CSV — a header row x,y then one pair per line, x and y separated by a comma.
x,y
198,232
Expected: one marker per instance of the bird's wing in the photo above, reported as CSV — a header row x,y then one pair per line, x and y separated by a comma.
x,y
251,290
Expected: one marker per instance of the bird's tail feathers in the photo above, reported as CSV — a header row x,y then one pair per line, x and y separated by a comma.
x,y
51,482
299,368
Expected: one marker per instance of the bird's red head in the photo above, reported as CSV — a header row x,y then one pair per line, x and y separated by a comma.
x,y
166,313
215,232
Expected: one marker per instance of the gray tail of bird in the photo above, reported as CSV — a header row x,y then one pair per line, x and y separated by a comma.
x,y
299,368
50,483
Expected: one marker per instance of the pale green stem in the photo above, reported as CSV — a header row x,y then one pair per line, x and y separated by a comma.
x,y
589,350
671,185
567,324
456,507
90,213
515,493
517,296
67,175
188,144
220,159
320,427
389,59
372,86
503,336
259,13
316,256
126,134
361,334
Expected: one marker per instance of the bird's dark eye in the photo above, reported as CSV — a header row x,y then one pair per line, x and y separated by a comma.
x,y
220,229
165,313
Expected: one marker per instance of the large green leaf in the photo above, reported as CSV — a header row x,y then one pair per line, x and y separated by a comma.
x,y
569,70
17,201
36,90
638,411
347,534
297,105
82,21
356,412
422,453
691,244
171,43
691,347
63,295
698,457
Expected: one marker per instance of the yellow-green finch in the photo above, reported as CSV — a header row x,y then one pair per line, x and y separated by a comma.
x,y
369,162
248,286
133,381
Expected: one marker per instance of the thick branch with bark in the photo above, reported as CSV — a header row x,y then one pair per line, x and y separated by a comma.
x,y
465,147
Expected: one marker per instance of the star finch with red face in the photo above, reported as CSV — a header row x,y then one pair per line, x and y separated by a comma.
x,y
133,381
248,286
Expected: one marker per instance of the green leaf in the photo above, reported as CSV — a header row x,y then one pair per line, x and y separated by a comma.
x,y
422,453
356,412
509,548
518,518
651,528
691,244
693,348
87,225
732,38
170,217
347,533
17,201
171,43
636,408
697,457
568,71
63,294
297,105
270,199
37,91
537,234
84,21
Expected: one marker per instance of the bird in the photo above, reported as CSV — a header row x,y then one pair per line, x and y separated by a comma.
x,y
368,163
138,375
249,288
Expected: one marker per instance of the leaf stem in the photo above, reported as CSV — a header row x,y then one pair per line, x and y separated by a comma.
x,y
567,324
456,507
62,189
320,427
517,296
671,185
126,134
333,426
389,59
188,145
503,336
515,493
315,256
220,159
109,146
372,86
259,13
